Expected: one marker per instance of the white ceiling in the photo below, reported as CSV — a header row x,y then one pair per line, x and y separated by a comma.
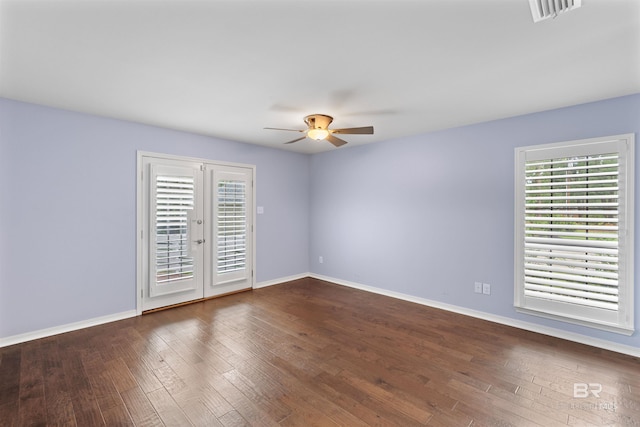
x,y
230,68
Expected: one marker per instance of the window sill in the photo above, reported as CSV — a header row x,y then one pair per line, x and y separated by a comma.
x,y
577,321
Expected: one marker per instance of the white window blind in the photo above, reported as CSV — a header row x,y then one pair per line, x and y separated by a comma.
x,y
174,200
573,226
231,226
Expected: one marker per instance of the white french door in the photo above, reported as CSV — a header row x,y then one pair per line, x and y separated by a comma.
x,y
196,230
229,225
174,256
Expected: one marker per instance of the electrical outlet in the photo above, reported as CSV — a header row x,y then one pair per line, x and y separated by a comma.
x,y
486,289
320,259
477,287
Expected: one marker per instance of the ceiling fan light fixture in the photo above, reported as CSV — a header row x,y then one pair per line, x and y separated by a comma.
x,y
318,129
318,134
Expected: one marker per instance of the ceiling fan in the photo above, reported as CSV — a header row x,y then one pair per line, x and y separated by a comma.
x,y
318,129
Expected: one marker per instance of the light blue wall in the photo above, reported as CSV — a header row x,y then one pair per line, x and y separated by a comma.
x,y
426,215
68,211
431,214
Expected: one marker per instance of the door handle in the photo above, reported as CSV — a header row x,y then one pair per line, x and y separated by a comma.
x,y
199,241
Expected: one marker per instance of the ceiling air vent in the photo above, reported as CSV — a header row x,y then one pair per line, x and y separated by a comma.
x,y
545,9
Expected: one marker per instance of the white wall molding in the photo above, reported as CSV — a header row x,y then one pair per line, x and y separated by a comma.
x,y
531,327
280,280
43,333
569,336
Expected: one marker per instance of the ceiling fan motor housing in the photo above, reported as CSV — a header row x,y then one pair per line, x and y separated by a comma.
x,y
318,121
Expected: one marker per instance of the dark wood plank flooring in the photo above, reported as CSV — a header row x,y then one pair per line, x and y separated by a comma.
x,y
311,353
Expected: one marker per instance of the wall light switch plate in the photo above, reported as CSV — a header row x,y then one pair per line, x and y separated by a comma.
x,y
260,209
477,287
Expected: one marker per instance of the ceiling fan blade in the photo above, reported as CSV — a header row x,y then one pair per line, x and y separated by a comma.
x,y
292,130
366,130
335,141
296,140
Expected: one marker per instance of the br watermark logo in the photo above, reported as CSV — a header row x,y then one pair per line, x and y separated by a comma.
x,y
584,390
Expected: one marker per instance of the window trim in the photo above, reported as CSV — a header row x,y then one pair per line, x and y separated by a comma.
x,y
622,320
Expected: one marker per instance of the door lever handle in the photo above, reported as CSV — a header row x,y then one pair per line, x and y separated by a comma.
x,y
199,241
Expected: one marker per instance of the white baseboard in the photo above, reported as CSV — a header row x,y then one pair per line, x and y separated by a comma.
x,y
532,327
266,283
43,333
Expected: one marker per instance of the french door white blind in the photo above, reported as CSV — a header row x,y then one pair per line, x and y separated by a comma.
x,y
571,230
232,226
574,232
190,209
174,202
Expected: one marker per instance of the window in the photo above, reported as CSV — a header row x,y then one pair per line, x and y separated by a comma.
x,y
574,232
232,226
173,203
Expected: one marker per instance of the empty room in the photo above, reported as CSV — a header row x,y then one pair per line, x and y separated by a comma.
x,y
319,213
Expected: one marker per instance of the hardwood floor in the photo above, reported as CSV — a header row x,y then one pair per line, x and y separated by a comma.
x,y
311,353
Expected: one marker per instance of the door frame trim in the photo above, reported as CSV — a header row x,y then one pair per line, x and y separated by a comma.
x,y
140,205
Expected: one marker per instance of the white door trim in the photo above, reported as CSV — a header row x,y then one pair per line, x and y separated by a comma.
x,y
140,212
